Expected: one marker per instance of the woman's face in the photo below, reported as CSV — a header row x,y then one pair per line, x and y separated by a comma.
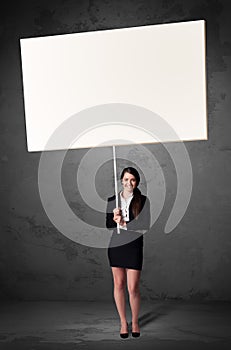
x,y
129,182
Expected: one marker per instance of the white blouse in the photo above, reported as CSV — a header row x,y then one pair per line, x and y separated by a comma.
x,y
125,203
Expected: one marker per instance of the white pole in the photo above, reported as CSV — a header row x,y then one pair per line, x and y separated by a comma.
x,y
116,188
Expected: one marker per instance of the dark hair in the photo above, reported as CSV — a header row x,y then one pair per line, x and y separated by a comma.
x,y
136,202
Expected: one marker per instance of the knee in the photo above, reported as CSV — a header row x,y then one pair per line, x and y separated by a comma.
x,y
119,284
133,290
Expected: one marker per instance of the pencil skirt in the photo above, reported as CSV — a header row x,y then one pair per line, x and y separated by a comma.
x,y
126,250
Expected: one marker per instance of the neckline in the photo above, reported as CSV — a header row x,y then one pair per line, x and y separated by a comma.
x,y
128,198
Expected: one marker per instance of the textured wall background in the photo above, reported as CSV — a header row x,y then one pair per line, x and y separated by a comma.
x,y
38,262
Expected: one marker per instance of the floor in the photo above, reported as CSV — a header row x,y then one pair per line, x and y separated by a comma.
x,y
90,325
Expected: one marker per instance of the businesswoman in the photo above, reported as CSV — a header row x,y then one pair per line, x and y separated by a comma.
x,y
125,251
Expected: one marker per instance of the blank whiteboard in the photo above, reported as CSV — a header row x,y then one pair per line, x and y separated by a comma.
x,y
160,68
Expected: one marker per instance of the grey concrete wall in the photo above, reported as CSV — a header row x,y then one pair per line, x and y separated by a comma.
x,y
36,260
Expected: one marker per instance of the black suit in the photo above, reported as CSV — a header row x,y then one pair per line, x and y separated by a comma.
x,y
126,248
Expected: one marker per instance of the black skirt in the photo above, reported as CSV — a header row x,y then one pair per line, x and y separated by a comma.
x,y
126,250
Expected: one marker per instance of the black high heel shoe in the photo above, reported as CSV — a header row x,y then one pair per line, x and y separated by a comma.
x,y
135,334
124,335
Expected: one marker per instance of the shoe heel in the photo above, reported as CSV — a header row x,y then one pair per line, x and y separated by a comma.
x,y
124,335
135,334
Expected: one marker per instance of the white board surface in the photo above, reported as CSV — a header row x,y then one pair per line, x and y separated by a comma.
x,y
157,67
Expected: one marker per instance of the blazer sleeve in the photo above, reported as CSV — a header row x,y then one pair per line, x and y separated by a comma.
x,y
110,223
143,220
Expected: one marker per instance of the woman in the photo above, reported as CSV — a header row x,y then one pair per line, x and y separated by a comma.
x,y
125,252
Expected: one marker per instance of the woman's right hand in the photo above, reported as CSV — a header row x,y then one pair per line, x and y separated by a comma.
x,y
117,215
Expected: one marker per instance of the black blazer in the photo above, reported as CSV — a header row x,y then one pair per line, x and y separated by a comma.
x,y
141,223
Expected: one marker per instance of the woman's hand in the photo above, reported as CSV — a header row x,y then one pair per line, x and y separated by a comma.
x,y
118,217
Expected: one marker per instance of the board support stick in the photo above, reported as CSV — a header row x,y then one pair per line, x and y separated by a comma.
x,y
116,188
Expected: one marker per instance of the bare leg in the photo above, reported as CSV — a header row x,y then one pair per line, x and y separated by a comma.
x,y
133,279
119,276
